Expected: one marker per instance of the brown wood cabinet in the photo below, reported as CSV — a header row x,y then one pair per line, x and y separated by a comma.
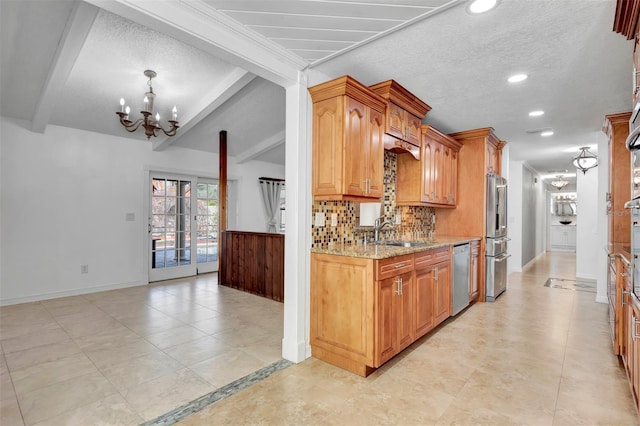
x,y
348,147
481,151
616,127
631,348
432,180
403,118
474,270
395,316
253,262
365,311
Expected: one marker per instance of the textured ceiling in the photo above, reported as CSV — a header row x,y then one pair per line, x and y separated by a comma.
x,y
579,69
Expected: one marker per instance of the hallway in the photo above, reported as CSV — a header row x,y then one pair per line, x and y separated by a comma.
x,y
538,356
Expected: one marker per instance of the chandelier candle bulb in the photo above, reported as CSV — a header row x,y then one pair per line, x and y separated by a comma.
x,y
127,110
121,104
175,113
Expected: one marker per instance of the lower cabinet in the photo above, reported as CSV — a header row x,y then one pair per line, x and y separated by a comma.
x,y
474,270
366,311
395,323
629,341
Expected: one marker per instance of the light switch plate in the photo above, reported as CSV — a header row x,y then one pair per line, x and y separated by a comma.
x,y
130,217
334,219
398,219
319,220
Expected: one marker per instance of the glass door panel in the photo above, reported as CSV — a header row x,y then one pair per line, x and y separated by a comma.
x,y
170,228
207,224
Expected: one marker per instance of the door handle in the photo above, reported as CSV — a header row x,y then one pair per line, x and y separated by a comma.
x,y
149,228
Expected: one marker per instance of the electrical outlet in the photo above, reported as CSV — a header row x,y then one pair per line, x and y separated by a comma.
x,y
319,221
130,217
334,219
84,269
433,219
398,219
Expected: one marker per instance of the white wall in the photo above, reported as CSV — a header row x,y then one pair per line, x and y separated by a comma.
x,y
602,220
514,216
588,252
64,195
250,212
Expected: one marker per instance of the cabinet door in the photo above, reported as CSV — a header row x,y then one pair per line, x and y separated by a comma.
x,y
374,152
413,130
474,269
328,155
425,306
396,121
437,164
395,316
385,322
634,355
427,159
452,182
405,312
442,295
355,143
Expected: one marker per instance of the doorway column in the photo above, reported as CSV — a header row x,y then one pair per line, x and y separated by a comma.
x,y
297,240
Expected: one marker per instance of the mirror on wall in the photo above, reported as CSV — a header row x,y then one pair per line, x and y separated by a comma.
x,y
564,207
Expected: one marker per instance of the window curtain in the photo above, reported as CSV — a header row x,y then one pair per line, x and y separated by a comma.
x,y
270,189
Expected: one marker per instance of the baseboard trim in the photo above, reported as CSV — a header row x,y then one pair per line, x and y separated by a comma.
x,y
296,352
67,293
602,299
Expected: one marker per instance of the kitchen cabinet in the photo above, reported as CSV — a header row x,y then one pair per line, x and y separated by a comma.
x,y
474,270
366,311
432,180
563,238
616,127
348,146
403,117
481,150
433,289
395,316
631,350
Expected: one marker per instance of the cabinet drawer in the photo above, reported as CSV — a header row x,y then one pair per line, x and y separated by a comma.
x,y
475,247
386,268
428,257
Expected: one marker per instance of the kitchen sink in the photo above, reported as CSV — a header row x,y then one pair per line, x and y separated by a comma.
x,y
405,243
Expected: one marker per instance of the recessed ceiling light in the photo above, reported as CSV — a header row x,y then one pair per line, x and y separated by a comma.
x,y
536,113
481,6
517,78
546,133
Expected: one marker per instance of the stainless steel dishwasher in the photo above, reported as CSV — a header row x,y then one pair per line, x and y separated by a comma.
x,y
460,287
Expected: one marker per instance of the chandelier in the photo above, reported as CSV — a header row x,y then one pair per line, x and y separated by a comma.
x,y
585,160
559,183
151,125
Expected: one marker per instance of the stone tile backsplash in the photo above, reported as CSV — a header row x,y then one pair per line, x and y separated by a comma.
x,y
416,221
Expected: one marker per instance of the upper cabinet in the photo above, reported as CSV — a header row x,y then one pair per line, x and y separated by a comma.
x,y
432,180
616,127
403,119
348,147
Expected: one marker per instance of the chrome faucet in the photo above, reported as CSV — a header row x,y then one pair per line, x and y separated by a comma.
x,y
377,226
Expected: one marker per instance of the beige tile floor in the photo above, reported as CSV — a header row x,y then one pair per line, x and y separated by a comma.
x,y
128,356
537,356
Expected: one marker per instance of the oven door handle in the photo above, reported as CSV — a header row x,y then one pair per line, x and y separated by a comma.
x,y
501,257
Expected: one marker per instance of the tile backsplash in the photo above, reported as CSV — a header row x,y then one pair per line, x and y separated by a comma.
x,y
416,221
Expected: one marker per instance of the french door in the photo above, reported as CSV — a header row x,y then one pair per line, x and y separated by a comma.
x,y
183,226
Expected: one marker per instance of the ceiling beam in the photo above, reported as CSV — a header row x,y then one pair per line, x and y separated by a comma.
x,y
200,25
260,148
75,33
223,91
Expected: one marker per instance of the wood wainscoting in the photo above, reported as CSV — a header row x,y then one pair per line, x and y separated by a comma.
x,y
253,262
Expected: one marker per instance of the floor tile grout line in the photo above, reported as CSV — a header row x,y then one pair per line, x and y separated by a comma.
x,y
219,394
564,355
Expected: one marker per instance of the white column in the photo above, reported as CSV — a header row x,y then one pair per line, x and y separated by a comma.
x,y
297,240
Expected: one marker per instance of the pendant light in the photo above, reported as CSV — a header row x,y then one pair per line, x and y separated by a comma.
x,y
585,160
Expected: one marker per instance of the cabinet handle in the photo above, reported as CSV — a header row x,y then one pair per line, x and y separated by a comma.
x,y
433,195
399,289
623,293
634,326
407,132
400,265
435,274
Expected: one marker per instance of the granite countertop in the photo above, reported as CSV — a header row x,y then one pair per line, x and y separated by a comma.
x,y
383,251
